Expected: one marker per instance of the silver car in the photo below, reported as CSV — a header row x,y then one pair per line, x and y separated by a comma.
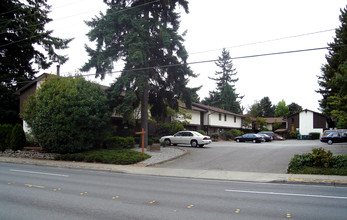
x,y
193,138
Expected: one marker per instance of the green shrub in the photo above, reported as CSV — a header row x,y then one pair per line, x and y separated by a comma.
x,y
321,158
299,162
67,115
150,141
31,140
119,142
314,135
169,128
214,136
339,161
231,134
293,134
122,157
201,132
18,139
5,136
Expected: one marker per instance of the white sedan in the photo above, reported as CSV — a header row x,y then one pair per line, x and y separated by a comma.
x,y
193,138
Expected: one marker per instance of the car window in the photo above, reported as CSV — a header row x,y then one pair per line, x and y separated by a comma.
x,y
197,134
178,134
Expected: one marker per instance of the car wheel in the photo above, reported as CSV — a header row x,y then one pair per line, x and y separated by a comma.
x,y
237,140
201,145
168,142
254,141
330,142
194,143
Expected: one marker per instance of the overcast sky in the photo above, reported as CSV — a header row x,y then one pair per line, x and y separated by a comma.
x,y
247,27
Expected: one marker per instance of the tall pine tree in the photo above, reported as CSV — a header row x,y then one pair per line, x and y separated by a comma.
x,y
144,34
333,81
225,96
24,42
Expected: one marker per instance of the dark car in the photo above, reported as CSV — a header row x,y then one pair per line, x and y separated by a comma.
x,y
335,137
249,137
266,137
268,133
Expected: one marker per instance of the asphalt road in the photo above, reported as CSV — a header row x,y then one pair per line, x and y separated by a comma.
x,y
270,157
35,192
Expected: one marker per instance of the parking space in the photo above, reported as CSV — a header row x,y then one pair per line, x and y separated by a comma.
x,y
269,157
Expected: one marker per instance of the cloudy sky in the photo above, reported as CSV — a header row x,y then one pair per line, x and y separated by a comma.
x,y
245,28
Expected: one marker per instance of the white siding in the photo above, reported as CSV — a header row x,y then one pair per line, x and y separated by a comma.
x,y
230,122
195,120
306,123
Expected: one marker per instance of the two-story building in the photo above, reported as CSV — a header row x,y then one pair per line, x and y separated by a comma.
x,y
211,119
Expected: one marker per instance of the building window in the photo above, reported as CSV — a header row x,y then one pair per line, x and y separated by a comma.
x,y
235,119
220,117
225,117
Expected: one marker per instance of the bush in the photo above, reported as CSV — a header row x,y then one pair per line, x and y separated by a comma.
x,y
299,162
67,115
214,136
319,158
31,140
5,136
231,134
314,135
122,157
119,142
339,161
18,139
293,134
169,128
201,132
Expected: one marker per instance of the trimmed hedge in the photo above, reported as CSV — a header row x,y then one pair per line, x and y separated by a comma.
x,y
314,135
119,142
119,156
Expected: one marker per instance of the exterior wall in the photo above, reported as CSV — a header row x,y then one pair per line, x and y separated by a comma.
x,y
195,120
319,121
306,123
229,123
25,95
269,127
294,120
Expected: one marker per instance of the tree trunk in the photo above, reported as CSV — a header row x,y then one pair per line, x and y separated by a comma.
x,y
144,111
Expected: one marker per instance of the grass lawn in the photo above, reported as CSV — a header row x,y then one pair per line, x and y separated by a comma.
x,y
117,156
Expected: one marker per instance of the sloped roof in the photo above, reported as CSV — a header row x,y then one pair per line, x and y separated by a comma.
x,y
44,75
215,109
306,110
183,105
274,120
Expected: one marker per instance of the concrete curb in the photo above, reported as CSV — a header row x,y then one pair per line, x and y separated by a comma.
x,y
190,173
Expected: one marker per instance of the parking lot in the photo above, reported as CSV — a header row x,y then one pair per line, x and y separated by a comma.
x,y
270,157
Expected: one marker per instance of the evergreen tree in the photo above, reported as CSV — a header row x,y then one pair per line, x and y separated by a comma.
x,y
294,108
332,82
23,42
268,110
227,72
225,96
145,35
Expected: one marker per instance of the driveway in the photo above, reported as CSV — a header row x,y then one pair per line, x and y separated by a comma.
x,y
272,157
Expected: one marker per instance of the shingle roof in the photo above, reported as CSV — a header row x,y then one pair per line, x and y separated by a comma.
x,y
215,109
274,120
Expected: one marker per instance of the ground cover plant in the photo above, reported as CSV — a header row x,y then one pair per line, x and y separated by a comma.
x,y
108,156
318,162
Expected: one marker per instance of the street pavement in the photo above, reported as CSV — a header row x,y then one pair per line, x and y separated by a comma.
x,y
142,169
29,192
